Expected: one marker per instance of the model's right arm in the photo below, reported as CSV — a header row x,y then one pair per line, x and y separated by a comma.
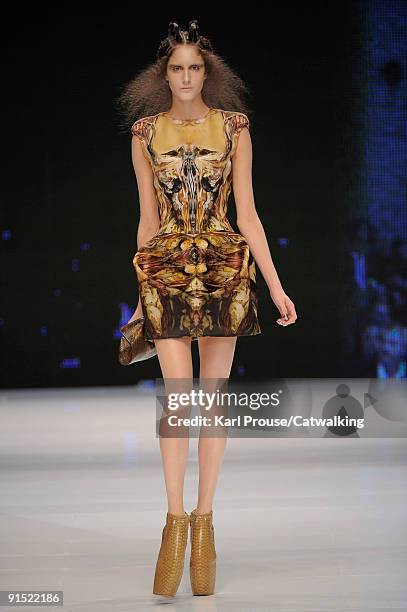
x,y
149,216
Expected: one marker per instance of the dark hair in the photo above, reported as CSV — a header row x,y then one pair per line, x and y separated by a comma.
x,y
148,92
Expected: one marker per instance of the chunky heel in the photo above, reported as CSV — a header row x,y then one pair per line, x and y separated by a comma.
x,y
202,565
170,562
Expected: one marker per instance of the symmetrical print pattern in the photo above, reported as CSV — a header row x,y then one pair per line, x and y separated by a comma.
x,y
196,276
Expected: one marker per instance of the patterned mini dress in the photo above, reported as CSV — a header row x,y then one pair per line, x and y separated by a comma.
x,y
196,275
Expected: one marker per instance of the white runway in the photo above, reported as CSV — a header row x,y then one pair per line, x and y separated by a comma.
x,y
300,524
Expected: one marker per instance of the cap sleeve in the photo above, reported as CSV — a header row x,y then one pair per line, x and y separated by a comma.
x,y
138,129
141,129
238,122
241,121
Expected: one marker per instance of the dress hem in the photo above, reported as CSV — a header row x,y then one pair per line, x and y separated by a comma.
x,y
257,333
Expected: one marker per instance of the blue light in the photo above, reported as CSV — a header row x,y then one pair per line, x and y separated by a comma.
x,y
359,269
241,370
125,314
377,264
148,384
70,363
75,264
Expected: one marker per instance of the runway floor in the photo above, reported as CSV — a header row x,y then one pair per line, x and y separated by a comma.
x,y
300,524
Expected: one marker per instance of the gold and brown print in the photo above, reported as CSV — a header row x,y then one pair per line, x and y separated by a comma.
x,y
196,276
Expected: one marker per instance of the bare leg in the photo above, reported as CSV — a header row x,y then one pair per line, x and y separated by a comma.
x,y
175,359
216,358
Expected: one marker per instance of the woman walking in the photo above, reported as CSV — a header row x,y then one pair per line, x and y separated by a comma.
x,y
197,277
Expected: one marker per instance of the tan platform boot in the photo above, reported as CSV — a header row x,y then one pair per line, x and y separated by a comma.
x,y
170,562
202,565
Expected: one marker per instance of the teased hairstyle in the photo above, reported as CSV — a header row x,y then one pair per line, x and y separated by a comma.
x,y
148,92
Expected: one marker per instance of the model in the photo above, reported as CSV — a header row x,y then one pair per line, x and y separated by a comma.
x,y
197,277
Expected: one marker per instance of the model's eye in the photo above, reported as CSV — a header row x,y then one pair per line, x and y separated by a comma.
x,y
176,68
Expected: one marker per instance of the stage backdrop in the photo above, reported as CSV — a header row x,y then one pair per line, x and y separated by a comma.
x,y
321,92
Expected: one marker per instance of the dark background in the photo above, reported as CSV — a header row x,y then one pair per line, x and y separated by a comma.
x,y
70,204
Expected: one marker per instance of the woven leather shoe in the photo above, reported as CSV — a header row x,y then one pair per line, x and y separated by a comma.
x,y
170,562
202,565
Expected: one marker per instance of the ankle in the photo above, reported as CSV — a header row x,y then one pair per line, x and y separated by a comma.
x,y
202,510
176,512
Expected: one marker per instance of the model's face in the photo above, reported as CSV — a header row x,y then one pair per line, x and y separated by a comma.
x,y
186,72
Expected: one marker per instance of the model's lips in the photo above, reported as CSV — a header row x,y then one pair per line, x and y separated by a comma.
x,y
186,88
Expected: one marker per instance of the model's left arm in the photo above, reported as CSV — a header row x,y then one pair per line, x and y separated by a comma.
x,y
252,229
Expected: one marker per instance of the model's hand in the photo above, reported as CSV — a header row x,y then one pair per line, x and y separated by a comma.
x,y
285,306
